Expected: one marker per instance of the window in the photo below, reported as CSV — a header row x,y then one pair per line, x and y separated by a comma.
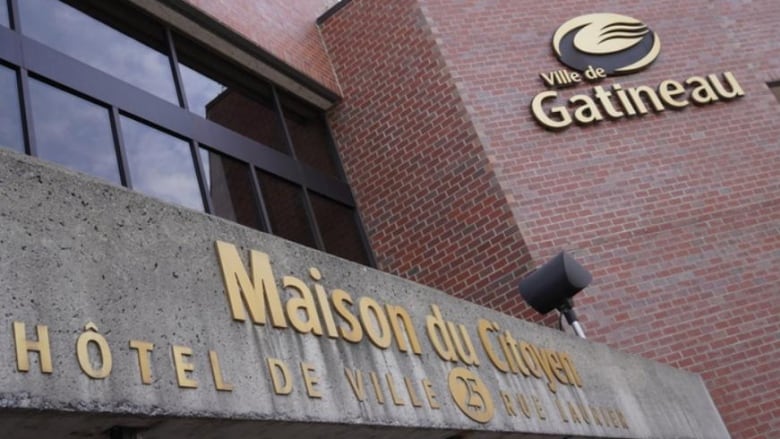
x,y
73,131
103,89
4,14
10,116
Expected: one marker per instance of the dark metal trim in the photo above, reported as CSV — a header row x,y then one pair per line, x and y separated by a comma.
x,y
107,90
174,62
119,145
205,193
32,59
237,40
332,11
30,143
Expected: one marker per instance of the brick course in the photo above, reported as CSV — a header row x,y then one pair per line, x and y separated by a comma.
x,y
677,214
431,204
285,28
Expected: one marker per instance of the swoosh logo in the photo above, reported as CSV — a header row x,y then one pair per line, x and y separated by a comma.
x,y
617,43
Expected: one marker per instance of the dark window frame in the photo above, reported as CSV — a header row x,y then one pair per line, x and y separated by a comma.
x,y
29,57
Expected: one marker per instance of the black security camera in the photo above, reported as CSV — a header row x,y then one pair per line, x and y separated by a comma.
x,y
553,285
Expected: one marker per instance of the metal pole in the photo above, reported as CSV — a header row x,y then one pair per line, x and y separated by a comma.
x,y
578,329
571,318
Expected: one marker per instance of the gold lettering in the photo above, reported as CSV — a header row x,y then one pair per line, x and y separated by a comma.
x,y
587,112
355,380
575,416
636,97
415,400
303,305
584,413
524,407
528,354
539,407
143,351
621,419
556,366
380,396
571,372
703,93
378,331
24,346
90,335
563,118
430,394
398,314
180,353
506,341
668,90
254,293
391,387
483,328
564,418
509,346
510,409
594,412
309,380
280,376
736,90
354,332
463,345
439,336
322,298
216,373
542,359
614,418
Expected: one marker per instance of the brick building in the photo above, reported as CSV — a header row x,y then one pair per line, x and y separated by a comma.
x,y
446,177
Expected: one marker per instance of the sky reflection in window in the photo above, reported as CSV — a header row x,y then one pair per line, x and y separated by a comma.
x,y
161,165
72,131
78,35
10,115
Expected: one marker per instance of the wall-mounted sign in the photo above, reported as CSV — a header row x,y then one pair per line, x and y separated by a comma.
x,y
611,42
596,46
165,313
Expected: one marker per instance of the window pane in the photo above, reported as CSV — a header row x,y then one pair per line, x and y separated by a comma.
x,y
229,184
10,115
4,14
284,203
200,89
76,34
338,228
253,117
309,136
161,165
72,131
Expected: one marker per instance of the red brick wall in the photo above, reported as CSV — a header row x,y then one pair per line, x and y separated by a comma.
x,y
676,214
427,193
285,28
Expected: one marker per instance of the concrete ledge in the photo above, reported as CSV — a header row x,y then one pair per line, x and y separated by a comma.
x,y
75,251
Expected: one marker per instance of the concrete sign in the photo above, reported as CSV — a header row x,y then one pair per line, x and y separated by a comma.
x,y
122,310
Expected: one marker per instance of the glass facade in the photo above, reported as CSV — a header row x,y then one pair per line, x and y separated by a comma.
x,y
73,131
111,92
10,117
160,165
4,14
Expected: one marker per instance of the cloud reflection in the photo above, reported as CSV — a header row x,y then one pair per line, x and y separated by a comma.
x,y
161,165
73,132
92,42
10,116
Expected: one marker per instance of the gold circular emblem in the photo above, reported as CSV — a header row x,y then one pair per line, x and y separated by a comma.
x,y
471,395
616,43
